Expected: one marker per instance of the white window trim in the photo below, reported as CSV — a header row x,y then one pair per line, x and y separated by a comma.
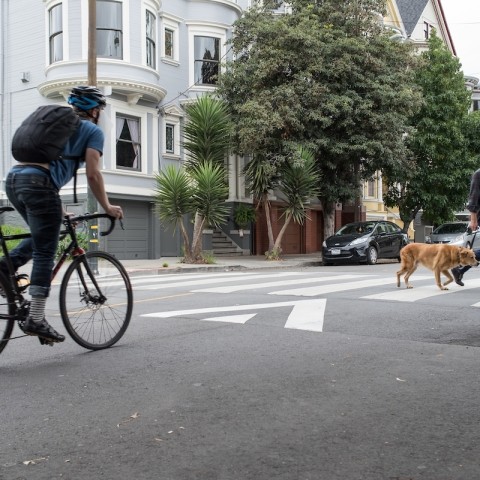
x,y
204,30
122,109
152,8
66,35
172,116
125,32
171,23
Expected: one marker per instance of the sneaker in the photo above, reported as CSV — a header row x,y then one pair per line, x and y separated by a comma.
x,y
458,275
42,329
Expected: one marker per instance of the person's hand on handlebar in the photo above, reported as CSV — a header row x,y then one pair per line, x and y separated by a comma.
x,y
115,211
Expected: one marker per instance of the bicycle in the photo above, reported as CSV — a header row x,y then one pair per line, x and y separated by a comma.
x,y
96,299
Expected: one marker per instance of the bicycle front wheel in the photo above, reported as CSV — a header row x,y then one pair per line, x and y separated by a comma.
x,y
96,300
7,312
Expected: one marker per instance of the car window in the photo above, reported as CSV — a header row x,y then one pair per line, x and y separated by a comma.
x,y
356,228
391,228
451,228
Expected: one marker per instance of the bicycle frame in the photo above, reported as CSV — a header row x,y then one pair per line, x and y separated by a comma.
x,y
73,249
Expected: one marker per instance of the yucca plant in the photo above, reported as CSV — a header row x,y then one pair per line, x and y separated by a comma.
x,y
207,132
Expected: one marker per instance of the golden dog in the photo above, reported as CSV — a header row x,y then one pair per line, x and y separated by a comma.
x,y
439,258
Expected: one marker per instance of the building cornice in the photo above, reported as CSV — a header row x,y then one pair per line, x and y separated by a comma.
x,y
60,88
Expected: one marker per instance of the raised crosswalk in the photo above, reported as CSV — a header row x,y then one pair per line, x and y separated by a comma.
x,y
311,290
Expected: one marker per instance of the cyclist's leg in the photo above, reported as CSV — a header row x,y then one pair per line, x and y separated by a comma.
x,y
37,200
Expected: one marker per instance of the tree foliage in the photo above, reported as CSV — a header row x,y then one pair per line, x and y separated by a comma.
x,y
440,165
329,77
199,188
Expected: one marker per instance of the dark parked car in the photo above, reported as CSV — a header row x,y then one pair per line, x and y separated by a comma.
x,y
364,242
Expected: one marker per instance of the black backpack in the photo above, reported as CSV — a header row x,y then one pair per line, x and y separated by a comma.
x,y
43,134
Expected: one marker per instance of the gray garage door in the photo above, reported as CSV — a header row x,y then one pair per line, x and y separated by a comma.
x,y
131,243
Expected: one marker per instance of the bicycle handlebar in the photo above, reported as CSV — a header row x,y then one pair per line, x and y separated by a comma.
x,y
92,216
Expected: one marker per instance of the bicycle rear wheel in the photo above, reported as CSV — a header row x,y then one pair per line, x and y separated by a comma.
x,y
7,312
96,300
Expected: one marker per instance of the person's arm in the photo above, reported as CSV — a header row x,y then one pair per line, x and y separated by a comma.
x,y
96,183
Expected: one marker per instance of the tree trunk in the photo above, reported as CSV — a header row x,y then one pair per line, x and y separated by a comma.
x,y
186,243
266,206
328,219
197,237
276,247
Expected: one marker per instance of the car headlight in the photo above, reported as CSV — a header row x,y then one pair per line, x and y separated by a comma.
x,y
428,239
358,241
324,244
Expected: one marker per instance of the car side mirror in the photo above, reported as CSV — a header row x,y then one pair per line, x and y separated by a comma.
x,y
469,231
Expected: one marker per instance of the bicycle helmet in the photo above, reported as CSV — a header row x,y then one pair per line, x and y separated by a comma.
x,y
86,98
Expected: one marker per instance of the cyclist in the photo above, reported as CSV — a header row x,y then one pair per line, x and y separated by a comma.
x,y
33,188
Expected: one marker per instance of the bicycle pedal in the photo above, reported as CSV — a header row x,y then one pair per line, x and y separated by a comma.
x,y
23,281
45,341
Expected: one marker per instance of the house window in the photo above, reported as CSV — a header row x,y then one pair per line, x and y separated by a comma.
x,y
427,28
55,33
207,57
371,188
109,29
151,22
128,143
169,43
476,105
170,138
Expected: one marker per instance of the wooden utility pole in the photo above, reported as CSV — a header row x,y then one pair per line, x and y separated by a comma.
x,y
92,42
92,205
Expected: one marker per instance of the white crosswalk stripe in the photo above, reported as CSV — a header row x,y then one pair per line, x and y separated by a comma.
x,y
420,292
216,279
255,286
339,287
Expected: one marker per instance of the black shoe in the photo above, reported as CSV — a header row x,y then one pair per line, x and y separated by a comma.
x,y
42,329
458,275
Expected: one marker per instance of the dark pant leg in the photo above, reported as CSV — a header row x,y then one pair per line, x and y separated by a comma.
x,y
38,202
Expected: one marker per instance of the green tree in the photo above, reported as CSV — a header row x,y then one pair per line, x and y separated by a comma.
x,y
440,164
297,180
199,188
329,77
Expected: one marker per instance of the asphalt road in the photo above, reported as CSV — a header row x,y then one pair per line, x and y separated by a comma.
x,y
315,373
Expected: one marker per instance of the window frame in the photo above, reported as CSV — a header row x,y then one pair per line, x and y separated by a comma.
x,y
53,35
115,30
170,23
204,30
172,116
129,116
151,41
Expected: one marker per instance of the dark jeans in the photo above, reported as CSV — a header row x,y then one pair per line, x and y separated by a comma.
x,y
36,199
466,268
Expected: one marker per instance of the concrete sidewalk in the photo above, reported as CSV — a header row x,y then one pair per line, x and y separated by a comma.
x,y
175,265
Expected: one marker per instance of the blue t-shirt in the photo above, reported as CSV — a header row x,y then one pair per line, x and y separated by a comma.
x,y
88,135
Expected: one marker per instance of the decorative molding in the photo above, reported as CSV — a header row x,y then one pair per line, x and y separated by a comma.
x,y
150,92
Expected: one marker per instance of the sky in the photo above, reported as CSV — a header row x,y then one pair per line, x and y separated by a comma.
x,y
463,19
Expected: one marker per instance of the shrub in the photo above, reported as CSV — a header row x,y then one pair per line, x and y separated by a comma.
x,y
11,230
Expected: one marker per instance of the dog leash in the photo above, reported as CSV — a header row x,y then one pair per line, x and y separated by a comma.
x,y
473,239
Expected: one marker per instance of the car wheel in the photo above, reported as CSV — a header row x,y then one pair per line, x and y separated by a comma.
x,y
372,256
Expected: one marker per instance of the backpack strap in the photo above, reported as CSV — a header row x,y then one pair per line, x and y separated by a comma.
x,y
77,160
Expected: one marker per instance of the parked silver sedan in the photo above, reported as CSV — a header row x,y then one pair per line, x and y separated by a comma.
x,y
454,233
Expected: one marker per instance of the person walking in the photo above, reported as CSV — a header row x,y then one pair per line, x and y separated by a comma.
x,y
33,189
473,206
